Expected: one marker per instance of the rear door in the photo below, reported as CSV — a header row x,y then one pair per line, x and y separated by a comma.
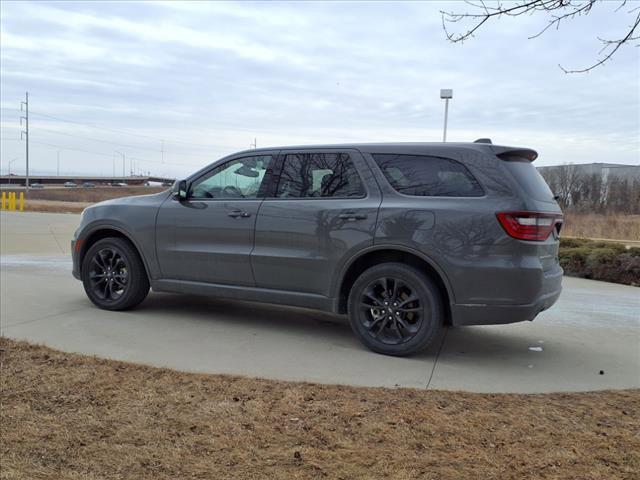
x,y
323,211
209,237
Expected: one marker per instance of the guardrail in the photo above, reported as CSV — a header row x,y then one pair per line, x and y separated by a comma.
x,y
8,201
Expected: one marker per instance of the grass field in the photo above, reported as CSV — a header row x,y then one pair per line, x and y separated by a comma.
x,y
614,226
67,416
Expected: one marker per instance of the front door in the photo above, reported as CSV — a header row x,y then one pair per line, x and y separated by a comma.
x,y
209,237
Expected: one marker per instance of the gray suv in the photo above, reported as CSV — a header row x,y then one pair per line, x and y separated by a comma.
x,y
403,238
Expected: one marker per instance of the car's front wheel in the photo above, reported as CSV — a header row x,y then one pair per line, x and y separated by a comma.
x,y
113,275
395,309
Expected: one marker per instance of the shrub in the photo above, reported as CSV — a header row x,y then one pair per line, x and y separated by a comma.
x,y
597,260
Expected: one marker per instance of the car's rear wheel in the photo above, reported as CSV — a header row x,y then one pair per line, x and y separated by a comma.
x,y
113,275
395,309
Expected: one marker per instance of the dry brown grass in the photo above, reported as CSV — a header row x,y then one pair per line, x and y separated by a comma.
x,y
67,416
53,206
616,226
87,195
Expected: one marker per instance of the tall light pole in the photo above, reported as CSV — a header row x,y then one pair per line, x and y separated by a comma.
x,y
446,94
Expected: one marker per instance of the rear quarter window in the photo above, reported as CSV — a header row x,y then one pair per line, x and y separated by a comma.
x,y
426,176
529,179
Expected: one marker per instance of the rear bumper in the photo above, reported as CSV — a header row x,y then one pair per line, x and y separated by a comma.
x,y
498,314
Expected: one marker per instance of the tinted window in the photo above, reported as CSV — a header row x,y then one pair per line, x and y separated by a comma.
x,y
426,176
529,179
319,175
239,178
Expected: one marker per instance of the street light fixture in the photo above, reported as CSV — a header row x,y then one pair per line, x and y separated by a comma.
x,y
9,168
446,94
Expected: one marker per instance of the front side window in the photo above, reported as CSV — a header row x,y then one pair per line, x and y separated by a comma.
x,y
425,176
240,178
319,175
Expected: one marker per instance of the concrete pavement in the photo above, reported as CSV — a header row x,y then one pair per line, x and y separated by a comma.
x,y
594,328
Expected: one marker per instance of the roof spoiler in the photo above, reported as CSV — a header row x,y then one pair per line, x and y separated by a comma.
x,y
505,153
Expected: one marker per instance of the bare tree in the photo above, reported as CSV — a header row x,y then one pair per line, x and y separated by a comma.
x,y
558,11
593,192
568,185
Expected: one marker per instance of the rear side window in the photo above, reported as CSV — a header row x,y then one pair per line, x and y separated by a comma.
x,y
529,179
425,176
318,175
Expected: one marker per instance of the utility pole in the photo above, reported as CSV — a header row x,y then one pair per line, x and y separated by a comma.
x,y
162,151
123,166
255,143
24,106
58,165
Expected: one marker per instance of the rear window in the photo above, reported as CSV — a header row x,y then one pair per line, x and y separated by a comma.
x,y
529,179
319,175
426,176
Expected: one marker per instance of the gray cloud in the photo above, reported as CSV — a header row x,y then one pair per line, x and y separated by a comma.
x,y
209,77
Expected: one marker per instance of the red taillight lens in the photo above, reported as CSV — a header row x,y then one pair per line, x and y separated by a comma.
x,y
536,226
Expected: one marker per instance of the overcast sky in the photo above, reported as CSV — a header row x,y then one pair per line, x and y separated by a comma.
x,y
208,78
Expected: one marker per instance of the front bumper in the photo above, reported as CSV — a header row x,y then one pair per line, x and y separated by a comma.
x,y
75,259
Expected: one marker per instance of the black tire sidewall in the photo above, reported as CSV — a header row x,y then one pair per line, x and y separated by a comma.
x,y
429,294
139,283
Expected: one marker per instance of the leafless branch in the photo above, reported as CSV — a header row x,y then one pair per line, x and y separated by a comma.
x,y
612,46
559,11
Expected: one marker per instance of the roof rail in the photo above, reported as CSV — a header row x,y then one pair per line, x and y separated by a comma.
x,y
483,140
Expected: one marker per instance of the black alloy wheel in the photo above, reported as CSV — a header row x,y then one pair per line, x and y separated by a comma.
x,y
395,309
391,310
113,274
109,274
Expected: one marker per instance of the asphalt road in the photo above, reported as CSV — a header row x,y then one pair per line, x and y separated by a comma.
x,y
589,340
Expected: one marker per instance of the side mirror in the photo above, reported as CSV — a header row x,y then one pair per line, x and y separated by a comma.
x,y
183,190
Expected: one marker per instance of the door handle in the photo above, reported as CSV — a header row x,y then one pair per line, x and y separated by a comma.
x,y
239,214
352,216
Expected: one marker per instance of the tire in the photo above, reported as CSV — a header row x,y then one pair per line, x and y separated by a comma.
x,y
409,327
113,275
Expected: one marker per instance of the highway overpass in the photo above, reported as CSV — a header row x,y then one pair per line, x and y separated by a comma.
x,y
60,180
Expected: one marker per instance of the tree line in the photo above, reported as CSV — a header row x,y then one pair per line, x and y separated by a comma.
x,y
577,190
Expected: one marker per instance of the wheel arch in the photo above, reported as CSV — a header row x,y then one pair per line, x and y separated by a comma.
x,y
392,253
107,231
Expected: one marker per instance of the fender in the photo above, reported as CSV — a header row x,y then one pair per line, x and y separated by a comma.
x,y
101,225
337,283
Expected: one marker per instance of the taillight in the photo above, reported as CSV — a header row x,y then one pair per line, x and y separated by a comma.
x,y
536,226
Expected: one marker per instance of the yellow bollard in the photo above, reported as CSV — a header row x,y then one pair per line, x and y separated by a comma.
x,y
12,201
22,201
4,200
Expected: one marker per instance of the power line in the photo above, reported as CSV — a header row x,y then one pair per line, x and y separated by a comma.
x,y
96,139
110,155
122,144
119,131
